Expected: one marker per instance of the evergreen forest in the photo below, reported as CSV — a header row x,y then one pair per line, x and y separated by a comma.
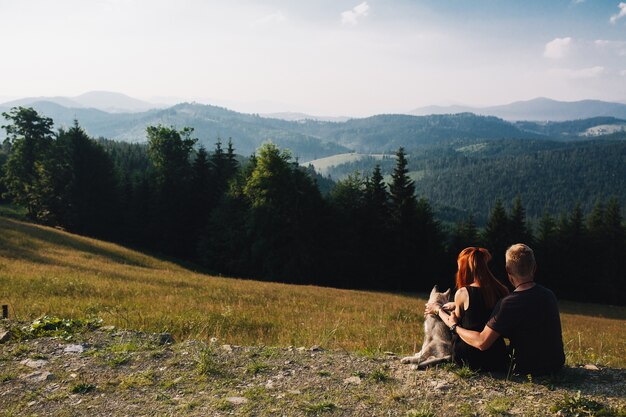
x,y
266,217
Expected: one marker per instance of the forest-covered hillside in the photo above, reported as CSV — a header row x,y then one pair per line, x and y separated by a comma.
x,y
463,177
311,139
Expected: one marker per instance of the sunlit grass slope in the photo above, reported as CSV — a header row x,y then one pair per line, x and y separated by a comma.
x,y
47,271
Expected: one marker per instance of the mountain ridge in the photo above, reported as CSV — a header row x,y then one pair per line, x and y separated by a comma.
x,y
537,109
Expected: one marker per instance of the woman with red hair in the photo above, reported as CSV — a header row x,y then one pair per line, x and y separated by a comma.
x,y
477,293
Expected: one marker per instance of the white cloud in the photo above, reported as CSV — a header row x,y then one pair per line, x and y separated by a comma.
x,y
577,1
351,17
557,48
622,13
576,74
274,18
616,47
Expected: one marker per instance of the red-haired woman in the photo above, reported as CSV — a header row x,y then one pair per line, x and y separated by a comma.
x,y
478,291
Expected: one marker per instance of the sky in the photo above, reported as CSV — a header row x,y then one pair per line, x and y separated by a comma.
x,y
324,57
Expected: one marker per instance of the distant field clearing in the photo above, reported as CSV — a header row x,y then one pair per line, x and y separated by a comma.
x,y
323,165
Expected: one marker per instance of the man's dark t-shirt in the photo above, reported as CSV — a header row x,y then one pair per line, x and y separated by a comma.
x,y
530,320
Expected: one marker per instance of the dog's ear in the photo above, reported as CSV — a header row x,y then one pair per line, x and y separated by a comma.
x,y
434,291
447,294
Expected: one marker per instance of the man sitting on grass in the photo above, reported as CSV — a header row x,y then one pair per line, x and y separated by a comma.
x,y
528,317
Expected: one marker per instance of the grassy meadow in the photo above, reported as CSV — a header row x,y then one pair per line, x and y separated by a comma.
x,y
47,271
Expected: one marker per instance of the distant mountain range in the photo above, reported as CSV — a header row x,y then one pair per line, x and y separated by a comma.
x,y
101,100
307,138
539,109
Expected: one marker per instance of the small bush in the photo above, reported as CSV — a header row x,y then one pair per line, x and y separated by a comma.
x,y
207,365
379,375
82,388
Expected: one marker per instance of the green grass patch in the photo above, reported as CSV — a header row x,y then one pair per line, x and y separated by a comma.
x,y
465,372
136,380
425,410
82,388
256,368
579,406
379,375
207,363
499,406
316,408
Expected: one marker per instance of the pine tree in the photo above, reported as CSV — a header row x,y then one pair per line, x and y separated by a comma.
x,y
403,202
496,238
518,229
89,200
376,195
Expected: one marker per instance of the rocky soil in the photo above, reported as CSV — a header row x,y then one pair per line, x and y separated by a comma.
x,y
112,372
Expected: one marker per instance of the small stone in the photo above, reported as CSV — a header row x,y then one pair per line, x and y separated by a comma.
x,y
214,340
74,349
591,367
39,376
166,339
390,354
442,386
107,328
30,404
5,336
301,349
294,392
355,380
227,348
269,384
316,348
34,363
73,376
237,400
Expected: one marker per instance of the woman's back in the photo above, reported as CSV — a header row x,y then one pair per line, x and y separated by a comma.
x,y
475,318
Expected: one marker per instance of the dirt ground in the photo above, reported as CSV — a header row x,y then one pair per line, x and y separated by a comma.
x,y
112,372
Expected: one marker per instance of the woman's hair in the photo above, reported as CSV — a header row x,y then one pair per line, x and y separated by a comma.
x,y
473,268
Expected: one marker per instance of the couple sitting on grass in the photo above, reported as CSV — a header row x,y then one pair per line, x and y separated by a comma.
x,y
484,312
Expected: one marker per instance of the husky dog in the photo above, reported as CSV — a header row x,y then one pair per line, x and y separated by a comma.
x,y
437,345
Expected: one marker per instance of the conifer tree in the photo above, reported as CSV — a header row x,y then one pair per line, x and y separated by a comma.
x,y
518,229
376,195
403,202
496,238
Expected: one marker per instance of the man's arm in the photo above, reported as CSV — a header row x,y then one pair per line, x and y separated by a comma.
x,y
480,340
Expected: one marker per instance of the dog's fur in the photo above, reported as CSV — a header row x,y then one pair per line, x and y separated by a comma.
x,y
437,346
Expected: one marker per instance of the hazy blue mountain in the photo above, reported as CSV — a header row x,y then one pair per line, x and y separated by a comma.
x,y
113,102
101,100
298,117
538,109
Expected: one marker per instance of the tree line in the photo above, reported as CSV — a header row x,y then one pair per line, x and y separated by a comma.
x,y
264,217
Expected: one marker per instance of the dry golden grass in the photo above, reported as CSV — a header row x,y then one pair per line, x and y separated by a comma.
x,y
47,271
